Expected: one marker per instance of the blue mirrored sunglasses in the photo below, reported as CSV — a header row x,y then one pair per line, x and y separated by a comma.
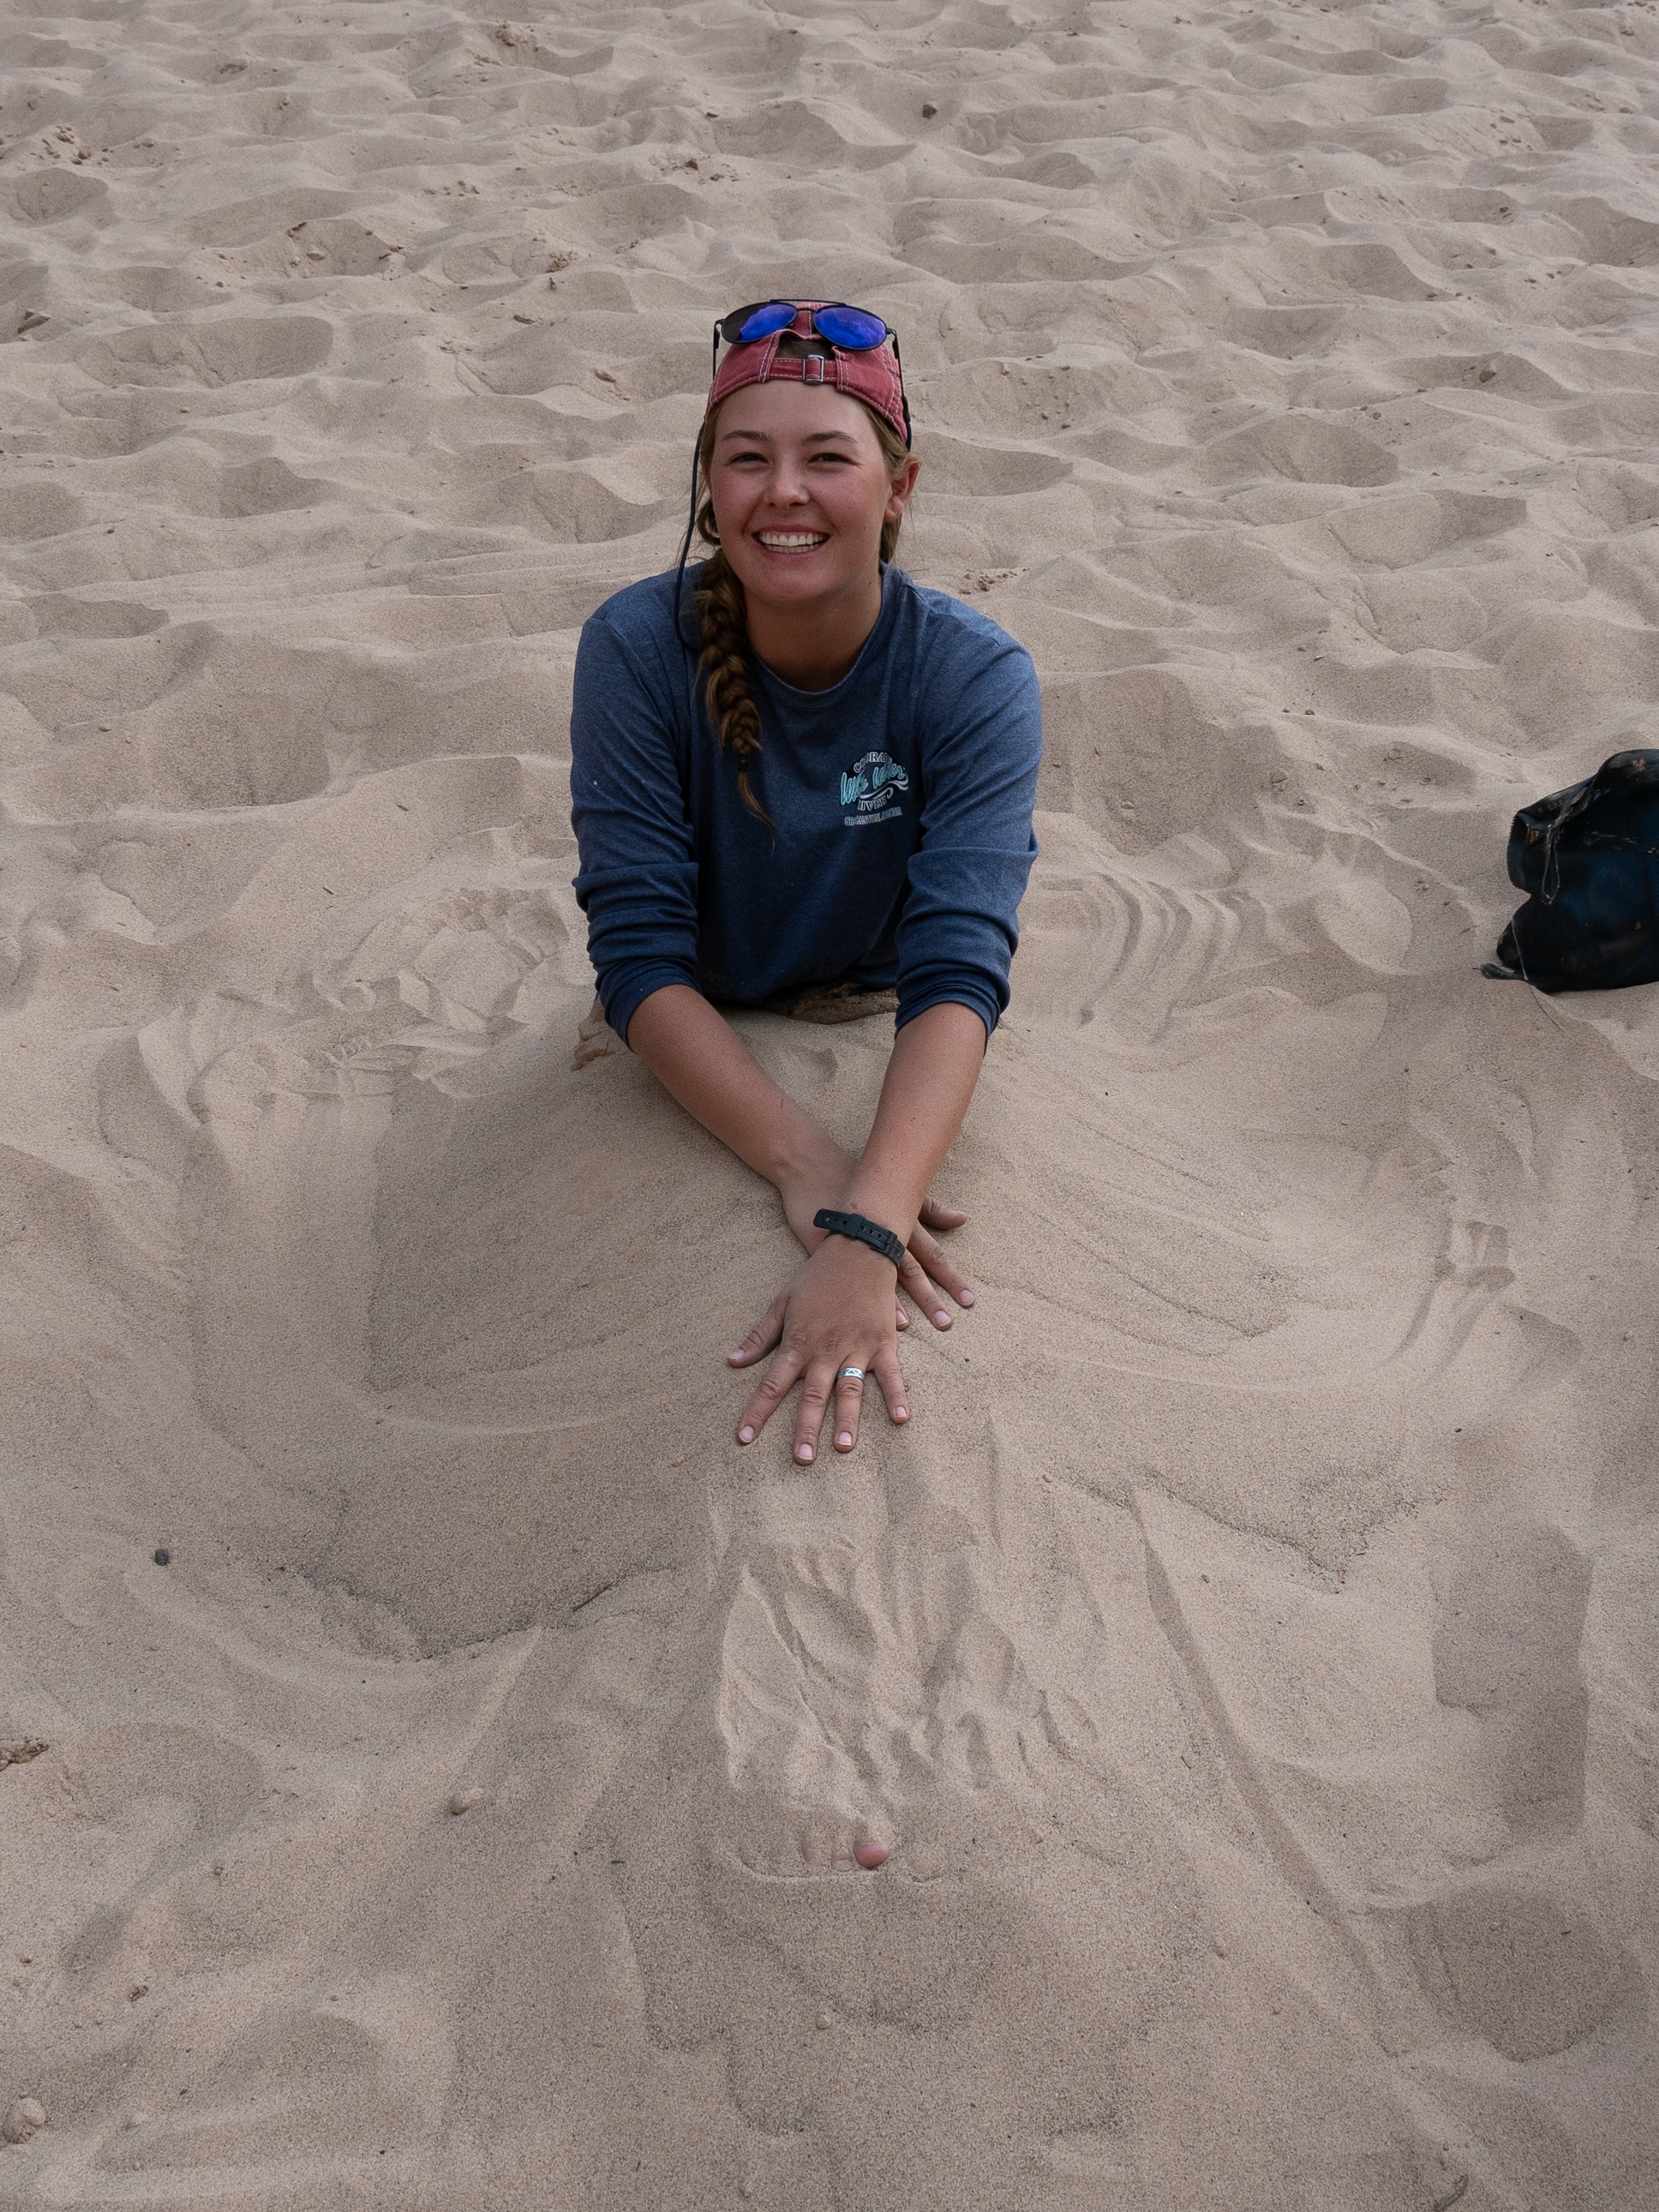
x,y
855,330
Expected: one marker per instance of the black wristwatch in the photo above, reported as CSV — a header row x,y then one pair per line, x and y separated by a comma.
x,y
862,1232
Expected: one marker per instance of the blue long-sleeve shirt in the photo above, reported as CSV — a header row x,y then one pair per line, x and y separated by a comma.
x,y
900,802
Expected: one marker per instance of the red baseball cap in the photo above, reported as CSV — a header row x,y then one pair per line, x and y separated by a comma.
x,y
871,374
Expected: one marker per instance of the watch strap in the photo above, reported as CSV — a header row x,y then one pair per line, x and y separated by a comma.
x,y
862,1232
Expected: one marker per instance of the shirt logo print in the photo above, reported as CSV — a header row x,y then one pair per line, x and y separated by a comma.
x,y
870,784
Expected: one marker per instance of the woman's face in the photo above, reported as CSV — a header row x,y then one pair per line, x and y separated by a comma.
x,y
800,489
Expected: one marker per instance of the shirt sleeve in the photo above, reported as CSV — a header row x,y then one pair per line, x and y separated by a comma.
x,y
637,883
960,925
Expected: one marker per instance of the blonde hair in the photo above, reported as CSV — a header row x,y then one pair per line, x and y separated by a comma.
x,y
723,614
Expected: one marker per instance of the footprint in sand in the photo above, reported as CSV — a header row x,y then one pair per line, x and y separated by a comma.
x,y
1526,1969
253,347
1506,1649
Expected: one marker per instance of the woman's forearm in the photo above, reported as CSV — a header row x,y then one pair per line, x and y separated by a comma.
x,y
701,1062
930,1080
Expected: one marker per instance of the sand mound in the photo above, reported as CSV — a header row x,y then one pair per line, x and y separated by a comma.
x,y
1249,1651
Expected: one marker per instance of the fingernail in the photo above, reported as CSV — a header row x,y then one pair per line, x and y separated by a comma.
x,y
734,1356
942,1318
745,1436
967,1297
900,1412
845,1440
804,1453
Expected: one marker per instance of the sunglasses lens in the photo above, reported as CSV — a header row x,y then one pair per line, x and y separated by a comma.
x,y
851,328
749,324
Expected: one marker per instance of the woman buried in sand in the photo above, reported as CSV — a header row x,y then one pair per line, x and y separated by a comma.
x,y
799,777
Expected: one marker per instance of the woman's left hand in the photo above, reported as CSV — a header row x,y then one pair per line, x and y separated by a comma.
x,y
927,1270
838,1313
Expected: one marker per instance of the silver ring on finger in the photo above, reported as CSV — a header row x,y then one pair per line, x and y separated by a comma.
x,y
850,1374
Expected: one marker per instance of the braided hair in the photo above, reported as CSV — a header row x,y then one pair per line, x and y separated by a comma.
x,y
723,615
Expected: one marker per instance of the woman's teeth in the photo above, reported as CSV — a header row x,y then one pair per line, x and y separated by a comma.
x,y
792,541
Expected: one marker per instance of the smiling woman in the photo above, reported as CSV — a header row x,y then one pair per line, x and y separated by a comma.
x,y
825,787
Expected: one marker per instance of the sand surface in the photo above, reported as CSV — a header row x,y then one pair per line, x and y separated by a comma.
x,y
1250,1651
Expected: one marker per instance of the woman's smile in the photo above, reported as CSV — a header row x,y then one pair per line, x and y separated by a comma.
x,y
792,541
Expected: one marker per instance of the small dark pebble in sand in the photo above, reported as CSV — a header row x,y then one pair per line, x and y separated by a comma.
x,y
163,1557
929,111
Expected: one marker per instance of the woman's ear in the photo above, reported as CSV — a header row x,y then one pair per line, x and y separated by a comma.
x,y
900,489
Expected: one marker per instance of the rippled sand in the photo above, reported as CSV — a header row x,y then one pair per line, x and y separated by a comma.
x,y
1250,1649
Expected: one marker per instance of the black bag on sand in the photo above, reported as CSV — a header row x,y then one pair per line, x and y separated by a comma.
x,y
1588,859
